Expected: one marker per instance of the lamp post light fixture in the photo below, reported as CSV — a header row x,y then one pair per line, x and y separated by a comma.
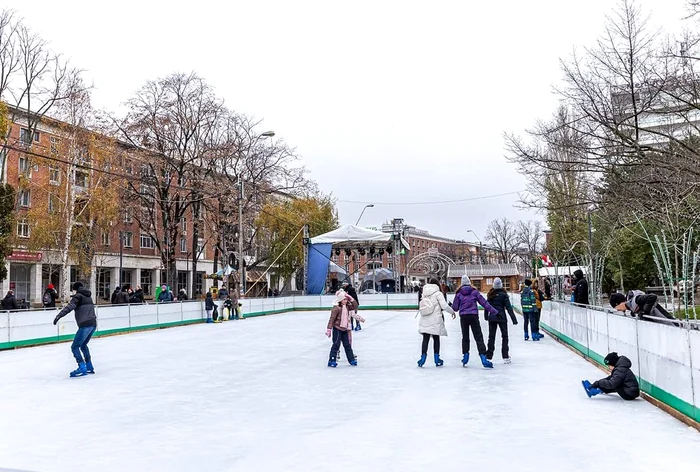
x,y
371,205
481,245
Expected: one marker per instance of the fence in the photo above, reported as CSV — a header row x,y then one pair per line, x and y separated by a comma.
x,y
32,327
666,358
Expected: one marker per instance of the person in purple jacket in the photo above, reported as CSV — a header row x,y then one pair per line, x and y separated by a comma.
x,y
466,303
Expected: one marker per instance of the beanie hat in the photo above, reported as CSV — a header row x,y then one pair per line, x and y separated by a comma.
x,y
497,283
465,280
611,359
528,282
50,287
76,286
616,299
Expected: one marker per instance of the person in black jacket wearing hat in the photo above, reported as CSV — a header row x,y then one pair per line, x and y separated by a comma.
x,y
640,304
581,288
81,303
499,299
621,381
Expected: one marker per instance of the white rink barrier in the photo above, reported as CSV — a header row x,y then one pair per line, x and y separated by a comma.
x,y
32,327
666,358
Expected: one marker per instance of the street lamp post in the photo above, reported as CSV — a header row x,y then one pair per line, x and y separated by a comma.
x,y
481,246
241,259
363,212
121,256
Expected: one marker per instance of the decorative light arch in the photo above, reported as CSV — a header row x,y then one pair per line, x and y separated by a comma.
x,y
433,262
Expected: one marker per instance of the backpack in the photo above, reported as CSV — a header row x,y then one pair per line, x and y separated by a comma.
x,y
47,299
426,306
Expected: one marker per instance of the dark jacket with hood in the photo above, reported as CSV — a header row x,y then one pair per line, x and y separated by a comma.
x,y
350,290
209,302
581,289
640,304
621,380
122,298
467,301
84,309
499,299
10,302
137,297
52,295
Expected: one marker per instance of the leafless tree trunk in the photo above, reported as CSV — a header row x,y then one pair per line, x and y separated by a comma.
x,y
503,236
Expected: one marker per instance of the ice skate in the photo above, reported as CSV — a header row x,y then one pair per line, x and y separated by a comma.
x,y
354,362
590,391
438,361
421,361
89,368
332,363
527,338
80,371
485,362
465,360
507,360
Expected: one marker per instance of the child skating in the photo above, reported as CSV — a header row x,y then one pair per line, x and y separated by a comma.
x,y
81,303
339,327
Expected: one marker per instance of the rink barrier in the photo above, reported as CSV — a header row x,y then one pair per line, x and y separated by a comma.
x,y
665,358
35,327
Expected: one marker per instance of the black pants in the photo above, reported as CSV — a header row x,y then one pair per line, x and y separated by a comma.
x,y
535,321
467,321
493,328
436,343
341,337
619,391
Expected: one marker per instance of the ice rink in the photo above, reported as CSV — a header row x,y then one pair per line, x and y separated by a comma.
x,y
256,395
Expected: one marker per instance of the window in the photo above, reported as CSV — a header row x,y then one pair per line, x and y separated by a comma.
x,y
199,283
54,175
81,179
146,281
26,136
126,277
25,167
25,198
128,239
489,281
200,248
183,244
127,217
146,241
183,223
53,203
181,281
23,228
106,239
3,159
197,211
54,145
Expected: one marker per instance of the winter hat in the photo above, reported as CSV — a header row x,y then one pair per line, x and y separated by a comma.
x,y
616,299
497,283
465,280
76,286
528,282
611,359
50,287
340,295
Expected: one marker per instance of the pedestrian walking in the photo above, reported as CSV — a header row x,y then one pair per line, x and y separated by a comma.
x,y
432,320
81,303
467,303
499,299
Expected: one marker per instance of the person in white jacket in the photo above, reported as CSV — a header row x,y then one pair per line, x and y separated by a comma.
x,y
432,320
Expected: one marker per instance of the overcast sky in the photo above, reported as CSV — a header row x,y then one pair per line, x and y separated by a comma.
x,y
386,101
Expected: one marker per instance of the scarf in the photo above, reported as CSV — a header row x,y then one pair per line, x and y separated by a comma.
x,y
344,318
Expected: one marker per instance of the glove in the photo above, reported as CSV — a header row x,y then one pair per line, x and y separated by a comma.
x,y
486,317
55,320
515,322
328,333
450,303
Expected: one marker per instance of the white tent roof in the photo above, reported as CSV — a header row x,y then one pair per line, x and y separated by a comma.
x,y
560,271
335,268
354,234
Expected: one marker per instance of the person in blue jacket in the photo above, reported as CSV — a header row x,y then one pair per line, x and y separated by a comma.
x,y
467,302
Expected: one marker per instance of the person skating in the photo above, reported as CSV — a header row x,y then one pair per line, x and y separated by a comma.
x,y
527,305
535,321
499,299
621,380
81,303
640,304
432,320
339,327
466,303
50,296
350,290
581,288
209,307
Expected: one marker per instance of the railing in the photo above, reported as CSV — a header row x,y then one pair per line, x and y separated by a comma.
x,y
665,353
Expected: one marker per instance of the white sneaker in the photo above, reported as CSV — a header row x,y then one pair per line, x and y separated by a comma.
x,y
506,360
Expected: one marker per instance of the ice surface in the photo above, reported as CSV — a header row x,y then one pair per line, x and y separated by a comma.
x,y
256,395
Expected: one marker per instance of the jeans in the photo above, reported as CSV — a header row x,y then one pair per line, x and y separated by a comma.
x,y
535,320
80,343
493,328
338,338
426,340
529,317
471,321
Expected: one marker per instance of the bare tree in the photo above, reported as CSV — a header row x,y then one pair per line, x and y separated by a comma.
x,y
502,235
530,238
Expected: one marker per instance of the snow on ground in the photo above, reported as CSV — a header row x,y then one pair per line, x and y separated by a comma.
x,y
256,395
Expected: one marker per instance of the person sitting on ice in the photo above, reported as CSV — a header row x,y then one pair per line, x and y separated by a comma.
x,y
640,304
621,380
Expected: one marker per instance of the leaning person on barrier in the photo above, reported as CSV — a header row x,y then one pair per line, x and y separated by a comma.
x,y
621,380
640,304
81,303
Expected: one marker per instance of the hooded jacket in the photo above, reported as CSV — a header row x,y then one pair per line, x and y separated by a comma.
x,y
137,297
621,380
581,289
10,302
84,309
467,299
640,303
53,295
434,323
122,298
500,300
350,290
208,302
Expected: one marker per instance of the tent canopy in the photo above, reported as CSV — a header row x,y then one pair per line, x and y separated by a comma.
x,y
336,269
355,237
561,271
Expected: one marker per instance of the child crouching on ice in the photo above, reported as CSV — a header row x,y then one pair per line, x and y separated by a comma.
x,y
621,380
339,327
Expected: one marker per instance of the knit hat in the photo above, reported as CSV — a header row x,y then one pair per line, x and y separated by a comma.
x,y
465,280
76,286
50,287
340,295
497,283
616,299
611,359
528,282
